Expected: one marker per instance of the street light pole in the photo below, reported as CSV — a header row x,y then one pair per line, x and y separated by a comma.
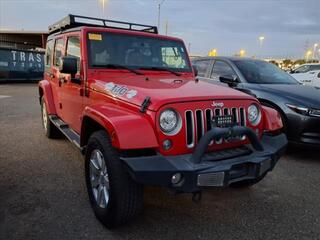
x,y
159,13
103,2
314,50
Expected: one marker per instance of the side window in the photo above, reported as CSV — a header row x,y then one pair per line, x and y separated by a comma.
x,y
48,56
202,66
302,69
221,68
58,51
314,67
73,49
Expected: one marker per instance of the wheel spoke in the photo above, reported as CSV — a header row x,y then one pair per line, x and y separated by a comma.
x,y
105,196
94,165
99,159
94,181
99,197
106,177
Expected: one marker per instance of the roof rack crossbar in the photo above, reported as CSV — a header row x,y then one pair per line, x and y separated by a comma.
x,y
72,21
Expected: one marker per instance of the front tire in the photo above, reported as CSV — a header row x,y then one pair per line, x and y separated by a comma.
x,y
114,196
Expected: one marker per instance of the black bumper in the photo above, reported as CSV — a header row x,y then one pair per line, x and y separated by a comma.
x,y
196,173
303,130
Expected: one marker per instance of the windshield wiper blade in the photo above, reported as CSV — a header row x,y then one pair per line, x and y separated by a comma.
x,y
116,66
161,69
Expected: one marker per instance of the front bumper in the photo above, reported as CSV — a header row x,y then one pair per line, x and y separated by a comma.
x,y
158,170
303,130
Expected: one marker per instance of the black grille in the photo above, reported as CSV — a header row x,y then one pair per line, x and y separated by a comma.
x,y
199,121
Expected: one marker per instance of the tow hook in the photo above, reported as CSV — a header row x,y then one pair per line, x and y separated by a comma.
x,y
196,197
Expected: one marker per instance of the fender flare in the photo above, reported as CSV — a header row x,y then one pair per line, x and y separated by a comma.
x,y
272,119
46,91
127,129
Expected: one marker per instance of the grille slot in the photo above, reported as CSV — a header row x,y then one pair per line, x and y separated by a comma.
x,y
208,119
199,121
235,115
242,117
200,124
218,112
190,129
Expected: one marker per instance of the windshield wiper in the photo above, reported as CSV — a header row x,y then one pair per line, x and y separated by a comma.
x,y
116,66
161,69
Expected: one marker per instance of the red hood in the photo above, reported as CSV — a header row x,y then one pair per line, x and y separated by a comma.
x,y
162,89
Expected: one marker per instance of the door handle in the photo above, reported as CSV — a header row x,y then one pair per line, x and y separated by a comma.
x,y
62,80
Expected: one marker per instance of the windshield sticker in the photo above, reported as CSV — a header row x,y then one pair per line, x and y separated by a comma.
x,y
119,90
95,36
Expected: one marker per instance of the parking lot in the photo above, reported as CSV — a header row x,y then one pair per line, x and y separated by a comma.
x,y
43,193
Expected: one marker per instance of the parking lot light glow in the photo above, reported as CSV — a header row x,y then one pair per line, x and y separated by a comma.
x,y
261,39
242,53
308,54
213,53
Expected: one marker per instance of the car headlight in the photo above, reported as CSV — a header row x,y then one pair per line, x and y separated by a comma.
x,y
170,122
314,113
254,114
304,110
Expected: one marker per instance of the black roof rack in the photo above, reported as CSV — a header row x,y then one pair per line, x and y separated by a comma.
x,y
72,21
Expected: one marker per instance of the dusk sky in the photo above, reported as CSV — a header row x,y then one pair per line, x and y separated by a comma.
x,y
290,27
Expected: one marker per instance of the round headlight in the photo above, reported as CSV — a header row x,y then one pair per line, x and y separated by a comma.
x,y
170,122
254,114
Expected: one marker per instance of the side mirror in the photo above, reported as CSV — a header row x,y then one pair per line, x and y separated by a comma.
x,y
228,79
195,70
69,66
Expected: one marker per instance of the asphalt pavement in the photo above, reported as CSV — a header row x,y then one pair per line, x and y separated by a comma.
x,y
43,193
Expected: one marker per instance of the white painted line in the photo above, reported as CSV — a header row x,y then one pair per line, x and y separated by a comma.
x,y
4,96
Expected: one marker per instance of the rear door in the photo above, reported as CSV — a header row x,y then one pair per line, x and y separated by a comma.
x,y
72,93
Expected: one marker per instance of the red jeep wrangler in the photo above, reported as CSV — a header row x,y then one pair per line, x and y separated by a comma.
x,y
128,98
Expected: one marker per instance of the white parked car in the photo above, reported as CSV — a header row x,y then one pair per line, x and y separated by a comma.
x,y
308,74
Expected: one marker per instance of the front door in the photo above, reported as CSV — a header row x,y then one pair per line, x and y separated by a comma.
x,y
71,94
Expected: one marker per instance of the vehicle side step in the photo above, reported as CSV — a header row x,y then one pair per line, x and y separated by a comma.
x,y
66,130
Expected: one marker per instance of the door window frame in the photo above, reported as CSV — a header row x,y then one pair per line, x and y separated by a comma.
x,y
218,60
208,72
66,49
54,50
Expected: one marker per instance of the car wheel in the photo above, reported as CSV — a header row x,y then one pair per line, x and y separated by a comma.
x,y
114,196
247,183
51,131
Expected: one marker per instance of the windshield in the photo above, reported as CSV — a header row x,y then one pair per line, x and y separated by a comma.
x,y
263,73
136,52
